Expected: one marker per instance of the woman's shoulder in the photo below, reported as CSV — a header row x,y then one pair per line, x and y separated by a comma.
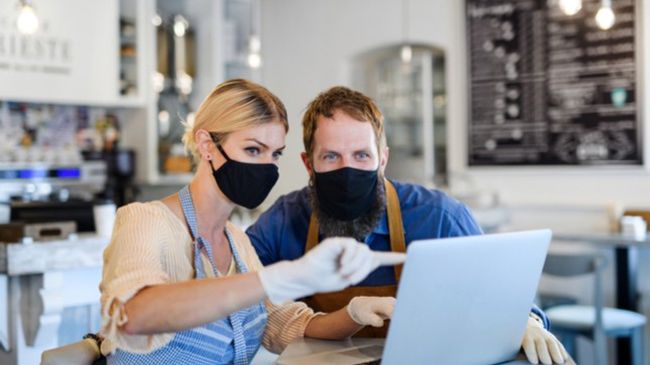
x,y
154,209
141,208
147,214
147,224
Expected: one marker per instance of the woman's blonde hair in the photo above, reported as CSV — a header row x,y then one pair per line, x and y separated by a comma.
x,y
232,106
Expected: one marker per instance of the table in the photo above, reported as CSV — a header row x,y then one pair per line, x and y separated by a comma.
x,y
300,350
37,282
626,270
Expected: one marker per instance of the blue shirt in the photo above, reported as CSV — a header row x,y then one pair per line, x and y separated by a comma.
x,y
280,233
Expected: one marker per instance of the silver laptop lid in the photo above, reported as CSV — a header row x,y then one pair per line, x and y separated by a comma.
x,y
465,300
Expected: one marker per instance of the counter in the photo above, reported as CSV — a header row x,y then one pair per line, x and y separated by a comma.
x,y
37,282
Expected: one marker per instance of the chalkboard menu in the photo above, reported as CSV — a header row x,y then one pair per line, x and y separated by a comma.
x,y
551,89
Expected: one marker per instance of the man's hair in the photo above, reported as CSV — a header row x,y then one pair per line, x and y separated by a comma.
x,y
352,103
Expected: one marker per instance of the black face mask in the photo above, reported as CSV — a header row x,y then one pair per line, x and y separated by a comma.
x,y
245,184
346,193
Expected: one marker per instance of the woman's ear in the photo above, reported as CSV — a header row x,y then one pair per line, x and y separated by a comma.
x,y
204,144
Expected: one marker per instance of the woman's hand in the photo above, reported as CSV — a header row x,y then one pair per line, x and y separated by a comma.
x,y
332,265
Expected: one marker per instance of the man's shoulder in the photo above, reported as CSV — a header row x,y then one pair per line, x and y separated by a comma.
x,y
447,216
289,206
295,199
415,195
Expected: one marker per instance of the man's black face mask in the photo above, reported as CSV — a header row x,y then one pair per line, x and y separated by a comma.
x,y
346,193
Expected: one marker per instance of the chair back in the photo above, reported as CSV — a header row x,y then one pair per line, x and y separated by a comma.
x,y
567,265
572,265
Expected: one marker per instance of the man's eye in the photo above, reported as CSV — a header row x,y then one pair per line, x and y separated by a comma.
x,y
362,155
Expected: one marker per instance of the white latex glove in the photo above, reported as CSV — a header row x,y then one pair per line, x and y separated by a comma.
x,y
332,265
541,346
371,311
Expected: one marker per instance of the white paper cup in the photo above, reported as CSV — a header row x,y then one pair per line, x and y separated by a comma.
x,y
633,226
104,215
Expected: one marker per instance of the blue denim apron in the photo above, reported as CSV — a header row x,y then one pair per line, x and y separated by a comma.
x,y
232,340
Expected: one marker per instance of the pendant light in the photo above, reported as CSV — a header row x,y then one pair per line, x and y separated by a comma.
x,y
406,52
254,58
27,22
605,17
570,7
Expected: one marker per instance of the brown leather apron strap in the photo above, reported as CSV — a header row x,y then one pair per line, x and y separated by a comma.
x,y
312,234
395,226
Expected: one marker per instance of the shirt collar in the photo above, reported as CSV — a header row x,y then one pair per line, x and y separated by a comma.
x,y
382,225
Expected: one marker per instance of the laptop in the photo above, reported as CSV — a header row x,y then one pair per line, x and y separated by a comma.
x,y
461,300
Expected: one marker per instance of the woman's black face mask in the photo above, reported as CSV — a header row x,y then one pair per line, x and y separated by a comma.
x,y
245,184
346,193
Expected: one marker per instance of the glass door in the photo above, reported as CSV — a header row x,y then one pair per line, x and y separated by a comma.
x,y
412,97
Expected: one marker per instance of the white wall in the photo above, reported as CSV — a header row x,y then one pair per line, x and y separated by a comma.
x,y
307,47
60,63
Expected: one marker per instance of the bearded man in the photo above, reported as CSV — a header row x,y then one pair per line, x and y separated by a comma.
x,y
348,195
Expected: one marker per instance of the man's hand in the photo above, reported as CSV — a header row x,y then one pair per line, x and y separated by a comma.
x,y
371,311
541,346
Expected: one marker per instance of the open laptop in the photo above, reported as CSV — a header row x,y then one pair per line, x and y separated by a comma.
x,y
461,300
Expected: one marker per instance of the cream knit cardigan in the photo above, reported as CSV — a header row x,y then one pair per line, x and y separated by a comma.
x,y
150,246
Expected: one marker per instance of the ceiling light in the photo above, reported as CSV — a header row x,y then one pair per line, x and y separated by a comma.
x,y
27,21
605,17
570,7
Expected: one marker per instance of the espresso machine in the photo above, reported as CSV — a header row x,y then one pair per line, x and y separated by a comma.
x,y
44,201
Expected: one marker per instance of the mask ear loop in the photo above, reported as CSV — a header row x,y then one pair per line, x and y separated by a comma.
x,y
223,152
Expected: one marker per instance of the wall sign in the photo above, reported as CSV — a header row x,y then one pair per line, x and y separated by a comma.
x,y
551,89
73,57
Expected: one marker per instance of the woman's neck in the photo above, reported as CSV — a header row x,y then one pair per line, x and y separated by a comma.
x,y
211,205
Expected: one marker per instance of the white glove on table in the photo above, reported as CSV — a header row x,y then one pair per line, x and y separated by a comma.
x,y
540,345
332,265
371,311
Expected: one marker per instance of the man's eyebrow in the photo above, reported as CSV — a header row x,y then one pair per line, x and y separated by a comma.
x,y
328,151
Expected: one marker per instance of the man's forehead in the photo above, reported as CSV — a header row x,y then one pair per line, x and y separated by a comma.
x,y
337,134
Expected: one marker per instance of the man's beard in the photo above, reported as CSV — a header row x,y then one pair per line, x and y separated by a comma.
x,y
357,228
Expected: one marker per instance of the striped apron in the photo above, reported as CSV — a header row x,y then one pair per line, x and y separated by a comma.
x,y
232,340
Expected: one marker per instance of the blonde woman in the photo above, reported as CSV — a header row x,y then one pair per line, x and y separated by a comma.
x,y
181,285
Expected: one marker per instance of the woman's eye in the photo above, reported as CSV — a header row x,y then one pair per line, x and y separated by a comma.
x,y
362,155
252,151
329,156
277,154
